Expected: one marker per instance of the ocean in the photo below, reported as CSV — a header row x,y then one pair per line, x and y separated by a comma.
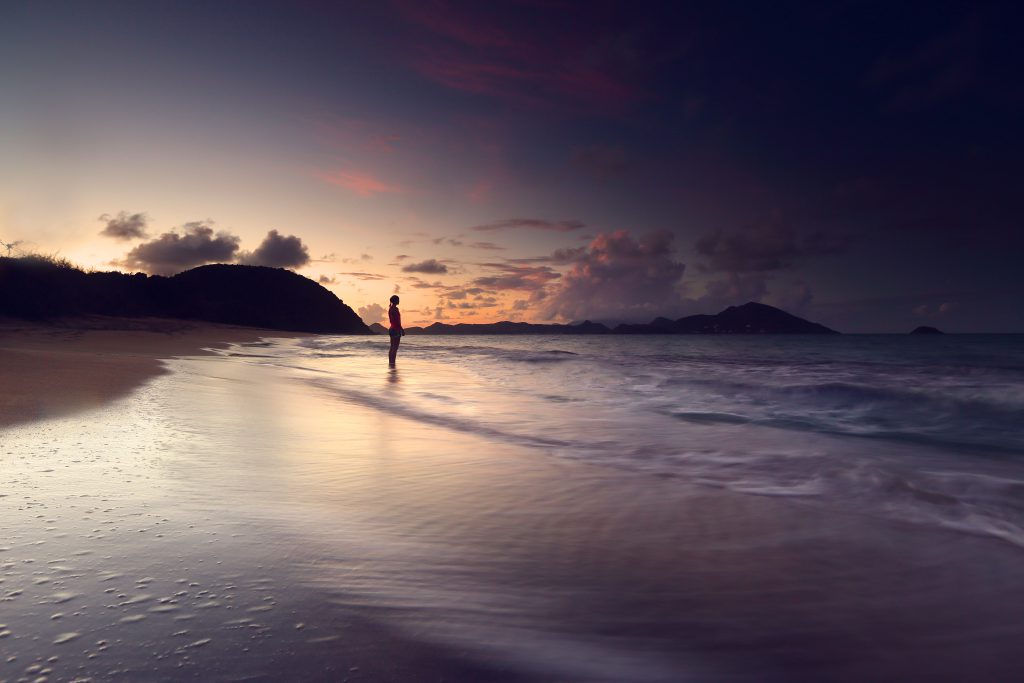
x,y
535,508
925,429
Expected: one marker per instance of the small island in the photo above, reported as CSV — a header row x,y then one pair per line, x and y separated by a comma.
x,y
925,329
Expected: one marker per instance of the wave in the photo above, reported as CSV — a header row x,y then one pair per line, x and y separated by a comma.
x,y
950,416
400,409
910,443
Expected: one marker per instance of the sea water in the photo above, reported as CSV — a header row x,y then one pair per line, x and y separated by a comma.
x,y
529,508
926,429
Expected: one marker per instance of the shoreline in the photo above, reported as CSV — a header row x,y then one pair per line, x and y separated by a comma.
x,y
72,365
238,517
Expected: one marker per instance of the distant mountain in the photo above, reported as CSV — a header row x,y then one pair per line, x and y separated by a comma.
x,y
377,328
750,318
508,327
924,329
255,296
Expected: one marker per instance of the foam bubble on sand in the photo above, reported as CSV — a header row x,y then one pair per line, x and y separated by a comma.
x,y
158,609
66,637
143,597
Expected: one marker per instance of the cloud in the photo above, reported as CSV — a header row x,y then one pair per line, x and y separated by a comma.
x,y
619,276
559,257
420,284
942,68
363,184
531,223
472,50
374,313
480,191
933,311
401,257
172,252
603,162
277,251
432,266
486,245
733,289
516,277
795,298
770,246
364,276
124,226
325,280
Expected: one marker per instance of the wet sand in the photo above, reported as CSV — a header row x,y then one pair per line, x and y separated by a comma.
x,y
224,521
78,364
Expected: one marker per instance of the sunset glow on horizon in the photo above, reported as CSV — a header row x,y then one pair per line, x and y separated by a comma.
x,y
531,162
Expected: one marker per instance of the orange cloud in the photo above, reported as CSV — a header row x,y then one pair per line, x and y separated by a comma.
x,y
363,184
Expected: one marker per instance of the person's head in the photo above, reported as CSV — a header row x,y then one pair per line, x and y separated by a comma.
x,y
394,300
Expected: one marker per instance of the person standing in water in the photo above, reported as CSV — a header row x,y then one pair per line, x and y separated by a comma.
x,y
397,331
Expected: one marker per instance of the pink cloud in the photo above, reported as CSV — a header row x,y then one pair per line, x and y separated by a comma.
x,y
480,191
347,135
363,184
619,276
529,85
551,63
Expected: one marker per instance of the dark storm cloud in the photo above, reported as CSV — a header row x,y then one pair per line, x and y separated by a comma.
x,y
770,246
124,226
530,223
619,276
173,252
277,251
431,266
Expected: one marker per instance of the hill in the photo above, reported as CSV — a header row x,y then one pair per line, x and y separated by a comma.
x,y
39,288
750,318
507,327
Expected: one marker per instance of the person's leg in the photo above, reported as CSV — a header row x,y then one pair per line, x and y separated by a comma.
x,y
394,349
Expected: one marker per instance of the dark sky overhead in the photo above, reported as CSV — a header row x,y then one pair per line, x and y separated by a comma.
x,y
856,163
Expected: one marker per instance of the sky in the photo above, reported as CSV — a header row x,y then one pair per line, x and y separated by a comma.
x,y
855,163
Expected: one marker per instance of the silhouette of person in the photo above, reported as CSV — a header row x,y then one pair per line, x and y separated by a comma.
x,y
396,332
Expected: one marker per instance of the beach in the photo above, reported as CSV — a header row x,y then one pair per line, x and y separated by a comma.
x,y
78,364
288,508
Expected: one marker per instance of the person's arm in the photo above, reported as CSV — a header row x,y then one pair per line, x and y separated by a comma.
x,y
402,329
